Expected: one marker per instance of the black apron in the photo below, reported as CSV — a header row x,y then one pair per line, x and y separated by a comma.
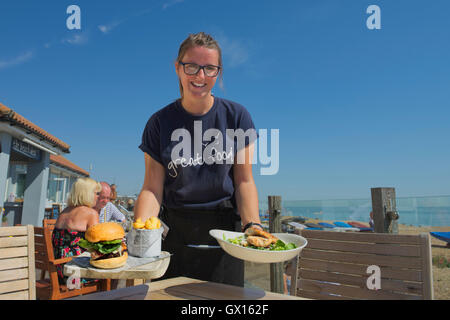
x,y
189,229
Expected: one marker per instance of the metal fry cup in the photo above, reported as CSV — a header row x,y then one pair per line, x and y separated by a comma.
x,y
144,243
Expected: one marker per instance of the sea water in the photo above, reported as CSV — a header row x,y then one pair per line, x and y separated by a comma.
x,y
416,211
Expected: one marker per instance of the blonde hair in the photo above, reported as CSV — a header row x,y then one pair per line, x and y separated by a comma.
x,y
200,39
82,192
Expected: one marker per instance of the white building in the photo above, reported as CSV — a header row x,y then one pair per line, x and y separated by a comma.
x,y
33,173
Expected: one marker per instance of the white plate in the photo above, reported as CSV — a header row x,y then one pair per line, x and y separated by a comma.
x,y
255,255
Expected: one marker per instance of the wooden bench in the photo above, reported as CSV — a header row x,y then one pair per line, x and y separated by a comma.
x,y
50,288
335,265
17,271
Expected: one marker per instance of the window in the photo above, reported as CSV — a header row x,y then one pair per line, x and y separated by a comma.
x,y
16,182
56,187
60,183
52,186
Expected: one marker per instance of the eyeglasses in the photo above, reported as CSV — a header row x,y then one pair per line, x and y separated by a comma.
x,y
193,68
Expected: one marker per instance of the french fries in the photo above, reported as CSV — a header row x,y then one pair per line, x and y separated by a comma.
x,y
150,224
138,224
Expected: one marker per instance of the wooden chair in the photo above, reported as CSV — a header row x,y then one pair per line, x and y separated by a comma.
x,y
50,288
17,271
49,223
334,265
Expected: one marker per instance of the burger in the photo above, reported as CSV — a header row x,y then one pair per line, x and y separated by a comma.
x,y
105,243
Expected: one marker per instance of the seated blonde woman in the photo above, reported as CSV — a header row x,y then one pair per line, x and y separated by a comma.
x,y
73,222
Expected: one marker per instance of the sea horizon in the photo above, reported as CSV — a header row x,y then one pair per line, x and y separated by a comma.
x,y
416,211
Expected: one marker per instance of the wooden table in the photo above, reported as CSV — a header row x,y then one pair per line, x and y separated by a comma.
x,y
182,288
153,270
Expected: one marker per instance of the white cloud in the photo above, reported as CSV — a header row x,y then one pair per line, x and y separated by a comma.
x,y
171,3
17,60
108,27
104,29
76,39
234,51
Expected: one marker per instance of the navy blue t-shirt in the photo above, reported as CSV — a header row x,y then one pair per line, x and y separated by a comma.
x,y
198,152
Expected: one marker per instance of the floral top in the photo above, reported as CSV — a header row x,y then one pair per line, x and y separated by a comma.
x,y
65,244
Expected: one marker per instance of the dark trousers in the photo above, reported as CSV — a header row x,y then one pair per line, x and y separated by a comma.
x,y
192,228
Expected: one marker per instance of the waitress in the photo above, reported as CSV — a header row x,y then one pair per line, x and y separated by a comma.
x,y
196,171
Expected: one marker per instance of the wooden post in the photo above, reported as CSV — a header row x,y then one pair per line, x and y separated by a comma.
x,y
427,266
384,208
276,269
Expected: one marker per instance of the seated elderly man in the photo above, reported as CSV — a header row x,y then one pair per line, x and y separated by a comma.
x,y
107,211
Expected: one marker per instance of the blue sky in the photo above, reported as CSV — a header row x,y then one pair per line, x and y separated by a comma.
x,y
355,108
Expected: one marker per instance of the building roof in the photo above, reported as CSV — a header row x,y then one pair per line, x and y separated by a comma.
x,y
61,161
8,114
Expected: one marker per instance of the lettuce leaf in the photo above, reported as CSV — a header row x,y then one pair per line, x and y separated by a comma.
x,y
85,244
278,246
102,247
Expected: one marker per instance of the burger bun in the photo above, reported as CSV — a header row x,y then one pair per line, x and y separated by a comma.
x,y
110,263
105,231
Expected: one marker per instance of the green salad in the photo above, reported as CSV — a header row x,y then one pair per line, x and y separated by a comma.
x,y
278,246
